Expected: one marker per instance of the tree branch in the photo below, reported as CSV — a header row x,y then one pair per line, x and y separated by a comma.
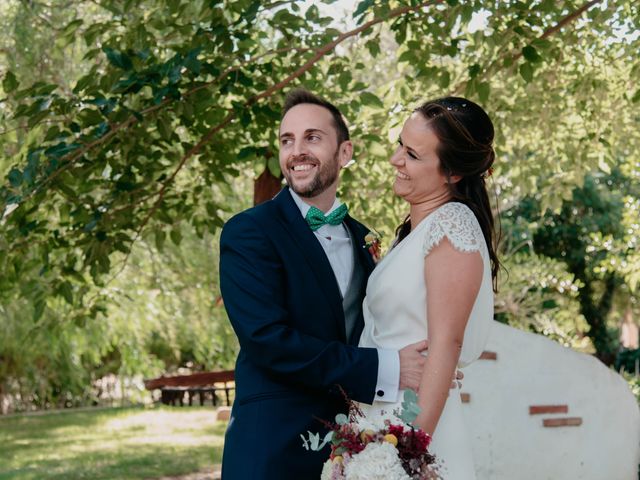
x,y
547,33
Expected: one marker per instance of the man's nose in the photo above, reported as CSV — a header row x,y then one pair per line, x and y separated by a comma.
x,y
299,148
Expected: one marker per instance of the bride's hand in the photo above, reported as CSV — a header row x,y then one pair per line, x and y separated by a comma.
x,y
411,364
456,380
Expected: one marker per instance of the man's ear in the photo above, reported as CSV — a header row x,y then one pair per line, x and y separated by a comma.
x,y
345,152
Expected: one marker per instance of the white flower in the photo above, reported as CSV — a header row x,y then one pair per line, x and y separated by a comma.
x,y
378,461
327,471
375,420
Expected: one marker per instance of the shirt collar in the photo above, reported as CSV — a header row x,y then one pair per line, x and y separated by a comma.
x,y
304,206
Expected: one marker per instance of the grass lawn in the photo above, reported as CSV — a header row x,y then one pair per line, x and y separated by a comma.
x,y
127,443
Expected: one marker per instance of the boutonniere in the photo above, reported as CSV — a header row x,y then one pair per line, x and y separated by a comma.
x,y
372,244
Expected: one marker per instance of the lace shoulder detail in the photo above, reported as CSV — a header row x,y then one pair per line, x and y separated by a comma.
x,y
457,222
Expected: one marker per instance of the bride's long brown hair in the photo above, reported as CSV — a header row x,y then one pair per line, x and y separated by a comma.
x,y
465,148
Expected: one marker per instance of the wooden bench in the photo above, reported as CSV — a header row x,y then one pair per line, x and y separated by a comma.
x,y
173,389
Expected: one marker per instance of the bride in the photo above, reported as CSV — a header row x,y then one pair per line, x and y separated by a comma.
x,y
438,279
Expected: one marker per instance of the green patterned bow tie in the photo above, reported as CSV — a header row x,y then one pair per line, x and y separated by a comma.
x,y
315,218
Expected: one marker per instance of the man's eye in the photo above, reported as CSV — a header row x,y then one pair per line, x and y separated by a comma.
x,y
313,138
412,155
285,141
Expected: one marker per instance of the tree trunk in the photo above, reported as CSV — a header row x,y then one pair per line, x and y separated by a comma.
x,y
266,186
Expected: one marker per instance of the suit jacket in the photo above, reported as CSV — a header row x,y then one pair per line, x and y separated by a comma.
x,y
285,306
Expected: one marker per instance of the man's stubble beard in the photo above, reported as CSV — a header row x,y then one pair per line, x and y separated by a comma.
x,y
325,177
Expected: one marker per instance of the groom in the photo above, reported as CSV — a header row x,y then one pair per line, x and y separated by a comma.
x,y
293,273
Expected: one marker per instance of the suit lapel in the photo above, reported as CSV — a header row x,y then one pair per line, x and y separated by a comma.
x,y
361,255
314,254
358,234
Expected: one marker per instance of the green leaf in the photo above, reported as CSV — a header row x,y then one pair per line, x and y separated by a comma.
x,y
374,47
483,90
66,291
531,54
38,309
344,80
520,31
160,237
176,235
444,80
41,88
37,118
211,209
118,59
164,128
10,82
526,71
541,44
474,70
61,149
246,152
72,27
636,97
91,225
15,177
274,167
409,56
192,63
368,98
52,133
312,13
245,118
362,7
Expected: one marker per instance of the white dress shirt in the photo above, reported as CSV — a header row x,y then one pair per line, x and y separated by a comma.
x,y
336,243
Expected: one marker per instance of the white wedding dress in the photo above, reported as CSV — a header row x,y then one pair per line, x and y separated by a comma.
x,y
395,315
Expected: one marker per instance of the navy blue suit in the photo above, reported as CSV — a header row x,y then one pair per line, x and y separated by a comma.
x,y
285,306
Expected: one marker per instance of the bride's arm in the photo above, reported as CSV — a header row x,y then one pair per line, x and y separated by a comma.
x,y
453,280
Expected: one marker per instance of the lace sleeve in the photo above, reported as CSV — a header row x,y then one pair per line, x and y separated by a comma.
x,y
457,222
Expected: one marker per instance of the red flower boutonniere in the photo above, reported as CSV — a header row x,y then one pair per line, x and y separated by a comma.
x,y
372,244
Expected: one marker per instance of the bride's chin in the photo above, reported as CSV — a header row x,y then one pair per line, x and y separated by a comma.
x,y
398,191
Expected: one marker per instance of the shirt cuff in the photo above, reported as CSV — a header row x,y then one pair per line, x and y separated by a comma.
x,y
388,382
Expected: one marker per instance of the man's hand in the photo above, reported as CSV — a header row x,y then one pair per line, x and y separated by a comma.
x,y
411,364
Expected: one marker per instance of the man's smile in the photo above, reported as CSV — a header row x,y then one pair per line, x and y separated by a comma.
x,y
302,168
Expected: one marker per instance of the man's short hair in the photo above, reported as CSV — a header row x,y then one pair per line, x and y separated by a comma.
x,y
300,96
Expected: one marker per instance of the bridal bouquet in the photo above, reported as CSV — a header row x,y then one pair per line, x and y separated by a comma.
x,y
384,446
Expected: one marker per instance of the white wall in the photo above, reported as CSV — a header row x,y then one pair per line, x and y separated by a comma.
x,y
509,443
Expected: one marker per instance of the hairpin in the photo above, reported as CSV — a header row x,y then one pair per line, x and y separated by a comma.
x,y
487,173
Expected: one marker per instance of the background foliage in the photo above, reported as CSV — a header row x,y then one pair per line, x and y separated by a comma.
x,y
132,130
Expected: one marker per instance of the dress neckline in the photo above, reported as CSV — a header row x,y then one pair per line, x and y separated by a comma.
x,y
423,222
406,240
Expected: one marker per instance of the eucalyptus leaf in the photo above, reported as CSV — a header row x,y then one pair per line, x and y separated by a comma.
x,y
410,408
342,419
